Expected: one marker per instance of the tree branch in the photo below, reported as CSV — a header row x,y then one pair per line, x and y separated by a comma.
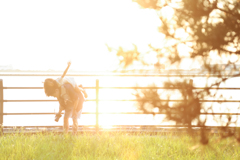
x,y
230,13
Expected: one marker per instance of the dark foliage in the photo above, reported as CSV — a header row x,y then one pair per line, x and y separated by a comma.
x,y
212,27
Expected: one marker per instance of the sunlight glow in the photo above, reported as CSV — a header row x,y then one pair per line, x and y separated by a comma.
x,y
34,33
167,12
106,126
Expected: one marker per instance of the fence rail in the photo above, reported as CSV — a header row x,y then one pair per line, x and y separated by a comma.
x,y
97,100
170,74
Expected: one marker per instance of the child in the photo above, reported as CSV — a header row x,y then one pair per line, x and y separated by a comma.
x,y
70,98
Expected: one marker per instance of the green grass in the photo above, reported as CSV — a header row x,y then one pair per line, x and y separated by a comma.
x,y
118,146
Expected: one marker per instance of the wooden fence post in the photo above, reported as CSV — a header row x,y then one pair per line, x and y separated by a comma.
x,y
97,93
1,106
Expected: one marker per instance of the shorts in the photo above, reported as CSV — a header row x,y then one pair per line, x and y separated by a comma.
x,y
71,113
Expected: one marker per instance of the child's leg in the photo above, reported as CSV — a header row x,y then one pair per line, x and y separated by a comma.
x,y
67,115
75,125
76,115
66,125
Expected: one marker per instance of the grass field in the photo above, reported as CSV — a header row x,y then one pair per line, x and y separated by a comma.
x,y
117,146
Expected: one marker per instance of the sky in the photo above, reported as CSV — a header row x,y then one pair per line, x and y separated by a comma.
x,y
46,34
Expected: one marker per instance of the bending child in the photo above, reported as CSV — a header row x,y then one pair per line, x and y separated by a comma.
x,y
70,98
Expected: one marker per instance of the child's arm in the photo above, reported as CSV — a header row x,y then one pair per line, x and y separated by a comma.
x,y
59,114
60,109
65,72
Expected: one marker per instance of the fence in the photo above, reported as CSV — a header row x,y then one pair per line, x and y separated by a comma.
x,y
96,128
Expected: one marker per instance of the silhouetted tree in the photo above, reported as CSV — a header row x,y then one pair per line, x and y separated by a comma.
x,y
206,29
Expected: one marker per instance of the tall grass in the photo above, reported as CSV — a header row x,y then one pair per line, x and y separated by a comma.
x,y
108,146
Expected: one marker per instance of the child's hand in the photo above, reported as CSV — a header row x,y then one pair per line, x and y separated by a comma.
x,y
57,117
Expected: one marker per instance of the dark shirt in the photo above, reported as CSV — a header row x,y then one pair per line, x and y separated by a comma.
x,y
72,94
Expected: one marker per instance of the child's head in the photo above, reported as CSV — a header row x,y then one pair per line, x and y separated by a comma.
x,y
51,87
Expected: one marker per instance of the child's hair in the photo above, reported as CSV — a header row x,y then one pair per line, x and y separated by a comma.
x,y
50,86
